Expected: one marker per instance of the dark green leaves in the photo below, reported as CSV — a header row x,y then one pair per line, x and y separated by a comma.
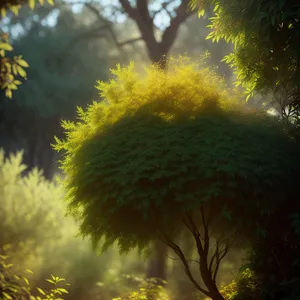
x,y
134,172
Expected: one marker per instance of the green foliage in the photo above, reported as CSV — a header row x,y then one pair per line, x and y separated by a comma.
x,y
25,202
161,144
275,259
16,286
10,68
149,289
244,288
266,37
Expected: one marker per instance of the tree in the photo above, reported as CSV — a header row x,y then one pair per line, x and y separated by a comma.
x,y
144,16
266,57
174,153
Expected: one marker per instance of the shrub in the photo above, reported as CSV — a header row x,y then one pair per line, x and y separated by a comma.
x,y
16,286
148,289
25,202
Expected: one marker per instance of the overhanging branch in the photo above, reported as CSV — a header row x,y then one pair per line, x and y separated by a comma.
x,y
109,25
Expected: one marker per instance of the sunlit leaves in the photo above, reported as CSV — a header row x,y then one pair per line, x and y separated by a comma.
x,y
14,286
18,222
265,35
11,68
149,288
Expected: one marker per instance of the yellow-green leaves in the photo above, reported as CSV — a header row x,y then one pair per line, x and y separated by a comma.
x,y
13,286
32,3
11,68
5,47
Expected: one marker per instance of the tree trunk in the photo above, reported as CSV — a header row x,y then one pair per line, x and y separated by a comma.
x,y
208,280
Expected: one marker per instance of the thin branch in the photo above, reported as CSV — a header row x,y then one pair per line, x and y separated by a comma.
x,y
188,260
180,254
170,32
197,236
109,27
130,41
206,232
92,33
219,259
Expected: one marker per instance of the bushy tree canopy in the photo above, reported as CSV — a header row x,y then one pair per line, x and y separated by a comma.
x,y
162,144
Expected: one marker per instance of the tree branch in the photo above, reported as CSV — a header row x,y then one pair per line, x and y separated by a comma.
x,y
132,13
217,257
109,26
188,260
170,32
130,41
92,33
206,232
180,254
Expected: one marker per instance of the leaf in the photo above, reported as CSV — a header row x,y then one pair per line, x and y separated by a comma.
x,y
12,86
41,291
8,93
51,2
14,69
26,280
6,46
17,82
8,266
201,13
51,281
31,4
42,2
21,71
3,12
23,63
62,290
29,271
6,296
15,9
